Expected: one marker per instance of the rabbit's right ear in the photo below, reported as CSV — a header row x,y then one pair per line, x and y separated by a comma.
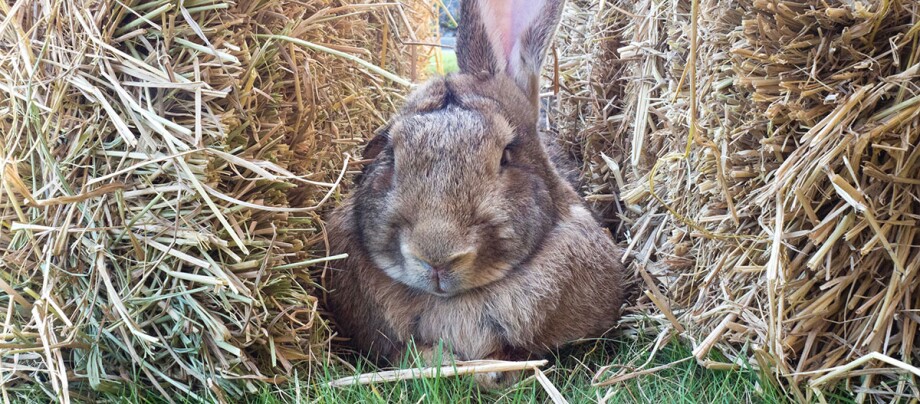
x,y
507,36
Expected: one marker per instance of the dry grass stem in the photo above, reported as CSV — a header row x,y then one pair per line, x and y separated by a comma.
x,y
457,369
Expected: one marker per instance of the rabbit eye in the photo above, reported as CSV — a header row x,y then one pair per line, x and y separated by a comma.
x,y
506,156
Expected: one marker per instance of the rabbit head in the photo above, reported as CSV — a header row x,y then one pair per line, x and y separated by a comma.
x,y
460,190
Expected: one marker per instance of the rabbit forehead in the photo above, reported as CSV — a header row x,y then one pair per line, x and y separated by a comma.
x,y
452,129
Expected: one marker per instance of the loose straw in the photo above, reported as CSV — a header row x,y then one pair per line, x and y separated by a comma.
x,y
460,369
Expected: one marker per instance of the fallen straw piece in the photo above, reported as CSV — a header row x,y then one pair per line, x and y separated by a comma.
x,y
840,371
458,369
554,395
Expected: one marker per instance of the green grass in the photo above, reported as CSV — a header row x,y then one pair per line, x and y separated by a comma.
x,y
573,369
571,372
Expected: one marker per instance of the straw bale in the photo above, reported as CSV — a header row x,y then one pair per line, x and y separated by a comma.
x,y
587,78
769,151
162,165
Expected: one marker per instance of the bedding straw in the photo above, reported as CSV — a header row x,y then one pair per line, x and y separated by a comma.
x,y
457,369
786,236
164,164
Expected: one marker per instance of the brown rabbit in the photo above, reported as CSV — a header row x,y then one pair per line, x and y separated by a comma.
x,y
461,230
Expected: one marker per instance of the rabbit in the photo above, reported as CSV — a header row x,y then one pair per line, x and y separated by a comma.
x,y
460,232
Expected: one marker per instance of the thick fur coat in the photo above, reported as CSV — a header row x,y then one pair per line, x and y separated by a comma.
x,y
461,230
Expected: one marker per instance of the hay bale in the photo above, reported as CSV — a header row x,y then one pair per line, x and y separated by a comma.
x,y
162,166
587,77
771,164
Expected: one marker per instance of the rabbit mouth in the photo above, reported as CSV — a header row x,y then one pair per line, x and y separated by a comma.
x,y
441,283
436,282
436,273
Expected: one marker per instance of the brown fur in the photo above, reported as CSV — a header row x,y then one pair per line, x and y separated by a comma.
x,y
462,183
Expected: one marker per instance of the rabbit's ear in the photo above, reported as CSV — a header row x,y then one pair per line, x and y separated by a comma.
x,y
377,144
509,36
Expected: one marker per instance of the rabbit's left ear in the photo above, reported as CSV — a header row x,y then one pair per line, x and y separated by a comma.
x,y
510,36
376,145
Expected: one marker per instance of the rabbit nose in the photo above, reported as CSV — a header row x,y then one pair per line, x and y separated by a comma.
x,y
436,270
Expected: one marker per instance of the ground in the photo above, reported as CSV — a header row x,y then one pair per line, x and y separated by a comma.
x,y
571,372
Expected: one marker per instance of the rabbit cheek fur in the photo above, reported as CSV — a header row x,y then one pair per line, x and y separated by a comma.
x,y
461,230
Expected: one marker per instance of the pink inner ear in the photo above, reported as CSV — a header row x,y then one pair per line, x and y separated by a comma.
x,y
506,21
